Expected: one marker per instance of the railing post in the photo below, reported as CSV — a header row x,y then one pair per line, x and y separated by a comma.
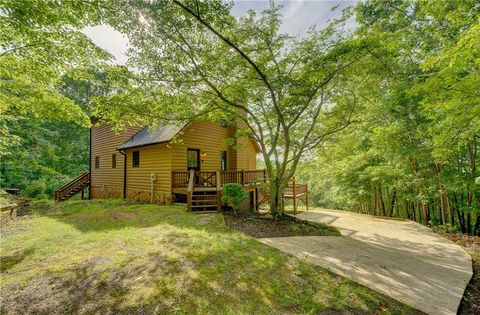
x,y
294,197
219,191
190,190
243,178
306,197
264,175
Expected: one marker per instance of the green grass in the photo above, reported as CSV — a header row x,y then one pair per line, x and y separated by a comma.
x,y
116,257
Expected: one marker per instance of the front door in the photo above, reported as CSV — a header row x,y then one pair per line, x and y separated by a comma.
x,y
193,159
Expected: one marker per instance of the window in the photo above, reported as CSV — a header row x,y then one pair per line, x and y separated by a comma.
x,y
193,159
114,160
223,160
136,159
97,162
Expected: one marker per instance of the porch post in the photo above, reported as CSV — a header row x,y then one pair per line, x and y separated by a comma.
x,y
294,197
219,191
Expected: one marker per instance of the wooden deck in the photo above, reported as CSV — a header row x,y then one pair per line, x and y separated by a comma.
x,y
203,189
213,180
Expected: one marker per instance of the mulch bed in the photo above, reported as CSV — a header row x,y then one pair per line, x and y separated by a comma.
x,y
264,225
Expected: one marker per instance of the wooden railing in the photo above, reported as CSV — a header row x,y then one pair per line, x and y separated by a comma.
x,y
209,178
73,186
254,177
205,179
180,179
295,190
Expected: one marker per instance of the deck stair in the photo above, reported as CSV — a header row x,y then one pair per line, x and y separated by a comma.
x,y
78,185
204,200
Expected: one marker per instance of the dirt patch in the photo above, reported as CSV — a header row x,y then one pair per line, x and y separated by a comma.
x,y
264,225
471,299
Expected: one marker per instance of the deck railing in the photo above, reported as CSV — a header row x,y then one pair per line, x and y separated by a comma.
x,y
205,179
297,189
209,178
180,179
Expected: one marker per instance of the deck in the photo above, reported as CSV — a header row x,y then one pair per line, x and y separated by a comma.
x,y
203,189
215,180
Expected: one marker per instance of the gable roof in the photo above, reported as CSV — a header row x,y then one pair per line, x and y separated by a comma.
x,y
149,135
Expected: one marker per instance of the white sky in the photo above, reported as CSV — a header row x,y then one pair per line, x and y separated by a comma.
x,y
298,16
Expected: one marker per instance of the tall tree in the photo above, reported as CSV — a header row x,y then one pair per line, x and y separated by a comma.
x,y
197,60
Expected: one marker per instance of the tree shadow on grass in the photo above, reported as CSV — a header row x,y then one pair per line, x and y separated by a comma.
x,y
10,261
104,215
218,272
257,279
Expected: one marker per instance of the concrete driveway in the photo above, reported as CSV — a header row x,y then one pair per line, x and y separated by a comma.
x,y
402,259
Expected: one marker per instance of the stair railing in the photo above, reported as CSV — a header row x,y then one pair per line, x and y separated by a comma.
x,y
82,179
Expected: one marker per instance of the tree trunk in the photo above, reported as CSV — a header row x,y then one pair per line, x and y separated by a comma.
x,y
476,230
439,169
392,202
426,212
461,219
406,205
449,208
472,154
277,189
469,214
380,201
442,209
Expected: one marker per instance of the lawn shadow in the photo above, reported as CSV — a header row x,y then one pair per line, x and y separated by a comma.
x,y
241,278
10,261
105,215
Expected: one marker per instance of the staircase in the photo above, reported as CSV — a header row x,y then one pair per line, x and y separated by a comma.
x,y
73,187
205,200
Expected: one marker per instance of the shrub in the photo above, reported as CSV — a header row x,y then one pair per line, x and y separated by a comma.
x,y
35,188
234,195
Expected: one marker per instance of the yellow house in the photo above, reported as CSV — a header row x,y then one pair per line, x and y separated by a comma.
x,y
188,162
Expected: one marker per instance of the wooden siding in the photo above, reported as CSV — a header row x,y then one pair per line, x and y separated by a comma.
x,y
246,154
207,137
156,159
108,181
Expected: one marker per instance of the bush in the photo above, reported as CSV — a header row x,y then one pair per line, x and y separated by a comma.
x,y
35,189
234,195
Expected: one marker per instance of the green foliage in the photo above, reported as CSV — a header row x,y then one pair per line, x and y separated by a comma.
x,y
414,151
55,151
234,194
35,189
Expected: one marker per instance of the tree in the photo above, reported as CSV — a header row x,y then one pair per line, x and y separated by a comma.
x,y
196,60
39,43
48,153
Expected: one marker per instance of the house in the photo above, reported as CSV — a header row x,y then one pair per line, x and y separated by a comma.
x,y
157,164
179,163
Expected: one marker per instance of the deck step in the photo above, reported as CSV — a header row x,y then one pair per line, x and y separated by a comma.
x,y
203,200
203,206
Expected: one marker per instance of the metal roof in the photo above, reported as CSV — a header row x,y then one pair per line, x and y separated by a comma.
x,y
152,135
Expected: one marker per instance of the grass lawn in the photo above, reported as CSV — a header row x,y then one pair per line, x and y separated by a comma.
x,y
123,258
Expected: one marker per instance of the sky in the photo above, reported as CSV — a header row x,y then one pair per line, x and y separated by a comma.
x,y
298,16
